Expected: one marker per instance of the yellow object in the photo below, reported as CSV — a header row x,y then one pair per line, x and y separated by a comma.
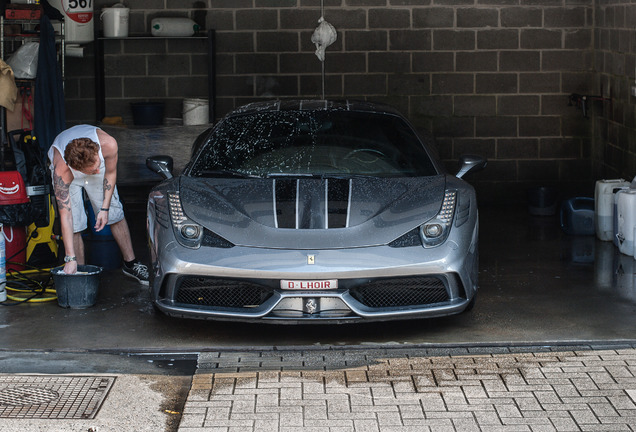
x,y
114,121
17,276
30,293
37,235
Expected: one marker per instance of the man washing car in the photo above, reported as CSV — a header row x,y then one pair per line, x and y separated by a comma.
x,y
84,158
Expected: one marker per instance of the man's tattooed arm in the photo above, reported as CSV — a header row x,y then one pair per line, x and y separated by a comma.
x,y
61,190
107,185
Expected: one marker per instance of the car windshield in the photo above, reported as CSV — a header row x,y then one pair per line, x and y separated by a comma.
x,y
313,143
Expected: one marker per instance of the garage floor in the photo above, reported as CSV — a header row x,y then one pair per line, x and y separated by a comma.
x,y
537,286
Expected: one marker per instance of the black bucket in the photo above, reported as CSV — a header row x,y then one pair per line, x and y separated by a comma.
x,y
147,113
542,201
79,290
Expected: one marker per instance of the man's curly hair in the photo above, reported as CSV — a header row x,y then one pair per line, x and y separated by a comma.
x,y
81,153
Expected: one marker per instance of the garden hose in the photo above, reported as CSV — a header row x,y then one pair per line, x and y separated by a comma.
x,y
32,290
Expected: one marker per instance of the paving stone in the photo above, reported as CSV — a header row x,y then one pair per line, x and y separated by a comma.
x,y
541,389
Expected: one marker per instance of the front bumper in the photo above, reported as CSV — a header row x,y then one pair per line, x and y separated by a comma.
x,y
454,267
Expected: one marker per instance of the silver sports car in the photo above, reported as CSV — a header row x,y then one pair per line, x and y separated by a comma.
x,y
313,211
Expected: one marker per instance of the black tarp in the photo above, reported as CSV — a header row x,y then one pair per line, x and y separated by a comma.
x,y
50,115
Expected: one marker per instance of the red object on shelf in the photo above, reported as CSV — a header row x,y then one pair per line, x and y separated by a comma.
x,y
23,12
12,189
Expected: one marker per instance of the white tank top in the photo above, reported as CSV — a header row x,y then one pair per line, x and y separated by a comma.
x,y
80,131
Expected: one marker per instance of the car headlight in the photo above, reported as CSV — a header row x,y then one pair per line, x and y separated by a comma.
x,y
435,231
187,232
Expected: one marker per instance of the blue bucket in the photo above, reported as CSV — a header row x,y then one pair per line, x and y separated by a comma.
x,y
103,251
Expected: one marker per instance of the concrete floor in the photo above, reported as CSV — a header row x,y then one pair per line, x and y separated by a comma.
x,y
537,286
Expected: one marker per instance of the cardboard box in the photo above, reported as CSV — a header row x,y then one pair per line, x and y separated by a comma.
x,y
17,119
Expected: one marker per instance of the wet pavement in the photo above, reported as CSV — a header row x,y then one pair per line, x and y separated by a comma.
x,y
537,285
539,290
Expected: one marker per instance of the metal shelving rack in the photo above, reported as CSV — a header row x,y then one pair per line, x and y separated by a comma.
x,y
16,40
100,87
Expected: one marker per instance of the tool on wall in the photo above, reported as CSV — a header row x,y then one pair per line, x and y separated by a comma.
x,y
582,101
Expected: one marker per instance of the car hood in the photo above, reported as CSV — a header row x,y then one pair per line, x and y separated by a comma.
x,y
312,213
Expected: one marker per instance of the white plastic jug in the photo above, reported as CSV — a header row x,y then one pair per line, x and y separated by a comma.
x,y
115,21
626,209
604,207
617,193
173,27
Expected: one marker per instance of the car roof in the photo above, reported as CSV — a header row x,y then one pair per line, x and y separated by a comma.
x,y
313,105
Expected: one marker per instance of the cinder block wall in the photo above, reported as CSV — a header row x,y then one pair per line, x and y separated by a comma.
x,y
484,76
615,62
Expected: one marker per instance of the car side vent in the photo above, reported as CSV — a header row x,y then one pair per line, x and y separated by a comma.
x,y
411,238
463,210
211,239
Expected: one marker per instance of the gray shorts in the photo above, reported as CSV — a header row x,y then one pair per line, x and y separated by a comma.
x,y
94,187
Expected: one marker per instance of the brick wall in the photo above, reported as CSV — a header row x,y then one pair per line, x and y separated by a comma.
x,y
614,148
485,76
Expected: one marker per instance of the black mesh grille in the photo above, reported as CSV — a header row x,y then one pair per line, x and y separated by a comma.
x,y
411,238
207,291
211,239
401,292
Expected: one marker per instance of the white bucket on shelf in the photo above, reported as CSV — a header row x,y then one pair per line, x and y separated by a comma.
x,y
115,21
195,111
604,207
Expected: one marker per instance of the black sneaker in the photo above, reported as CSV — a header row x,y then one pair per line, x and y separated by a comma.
x,y
138,271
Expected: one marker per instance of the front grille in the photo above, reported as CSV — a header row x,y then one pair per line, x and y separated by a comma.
x,y
215,292
413,291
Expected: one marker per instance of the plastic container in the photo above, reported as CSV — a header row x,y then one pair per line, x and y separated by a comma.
x,y
626,211
115,20
173,27
196,111
577,216
3,270
616,194
604,207
15,246
79,290
103,251
147,113
101,248
78,20
12,188
542,201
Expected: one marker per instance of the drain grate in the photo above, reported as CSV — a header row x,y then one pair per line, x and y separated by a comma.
x,y
52,397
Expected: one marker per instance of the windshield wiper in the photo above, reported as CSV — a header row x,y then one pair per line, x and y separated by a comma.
x,y
225,173
270,175
323,175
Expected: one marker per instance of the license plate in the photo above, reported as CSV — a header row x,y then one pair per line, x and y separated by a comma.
x,y
309,284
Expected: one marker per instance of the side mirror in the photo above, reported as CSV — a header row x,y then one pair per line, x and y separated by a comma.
x,y
161,164
470,163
